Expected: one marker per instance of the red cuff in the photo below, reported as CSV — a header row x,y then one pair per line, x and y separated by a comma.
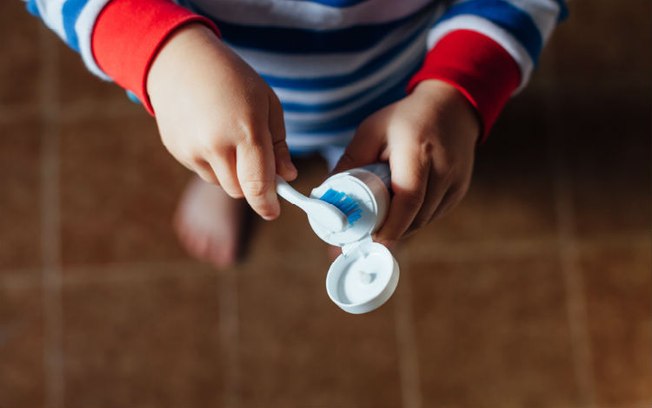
x,y
478,67
129,33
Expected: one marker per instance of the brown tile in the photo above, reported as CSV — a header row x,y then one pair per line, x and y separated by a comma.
x,y
600,43
608,158
150,342
21,344
79,87
492,332
617,281
20,245
19,72
119,189
296,347
511,194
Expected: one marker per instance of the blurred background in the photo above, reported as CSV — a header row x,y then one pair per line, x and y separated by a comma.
x,y
535,292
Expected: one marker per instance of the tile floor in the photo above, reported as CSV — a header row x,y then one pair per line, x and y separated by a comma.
x,y
535,292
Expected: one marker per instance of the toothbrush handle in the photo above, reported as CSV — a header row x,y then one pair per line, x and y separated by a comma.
x,y
286,191
324,213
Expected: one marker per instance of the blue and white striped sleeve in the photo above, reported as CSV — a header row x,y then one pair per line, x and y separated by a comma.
x,y
73,22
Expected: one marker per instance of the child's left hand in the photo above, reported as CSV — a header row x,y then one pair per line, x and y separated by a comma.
x,y
429,139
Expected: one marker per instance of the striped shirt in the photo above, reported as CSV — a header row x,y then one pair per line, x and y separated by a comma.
x,y
331,62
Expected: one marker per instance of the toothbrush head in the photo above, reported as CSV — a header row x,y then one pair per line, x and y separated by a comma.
x,y
344,203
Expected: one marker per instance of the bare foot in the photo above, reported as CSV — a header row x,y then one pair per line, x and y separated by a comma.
x,y
209,223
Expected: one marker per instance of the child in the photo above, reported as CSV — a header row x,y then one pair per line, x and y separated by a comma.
x,y
235,85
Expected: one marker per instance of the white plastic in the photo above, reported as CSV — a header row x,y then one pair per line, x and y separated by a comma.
x,y
363,278
369,191
366,274
322,212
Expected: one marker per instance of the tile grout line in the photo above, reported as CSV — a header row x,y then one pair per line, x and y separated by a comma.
x,y
18,113
229,336
567,247
494,249
480,251
24,277
50,239
407,344
575,298
122,272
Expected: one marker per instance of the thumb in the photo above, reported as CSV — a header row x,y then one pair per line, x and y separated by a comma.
x,y
365,147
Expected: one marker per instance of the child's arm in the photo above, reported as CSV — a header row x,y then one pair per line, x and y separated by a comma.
x,y
481,52
216,116
429,139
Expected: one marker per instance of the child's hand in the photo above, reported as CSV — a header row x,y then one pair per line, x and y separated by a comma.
x,y
429,139
218,118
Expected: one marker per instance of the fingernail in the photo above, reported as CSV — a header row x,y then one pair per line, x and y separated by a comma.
x,y
274,207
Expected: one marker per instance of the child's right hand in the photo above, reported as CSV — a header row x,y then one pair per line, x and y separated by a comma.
x,y
218,117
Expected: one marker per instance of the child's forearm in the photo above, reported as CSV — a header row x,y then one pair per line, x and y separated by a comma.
x,y
117,39
128,35
487,49
219,118
487,77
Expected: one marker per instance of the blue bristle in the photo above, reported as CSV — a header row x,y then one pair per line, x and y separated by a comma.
x,y
344,203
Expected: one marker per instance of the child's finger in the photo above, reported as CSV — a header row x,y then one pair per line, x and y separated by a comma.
x,y
223,165
450,199
434,194
283,160
410,170
284,166
204,171
256,172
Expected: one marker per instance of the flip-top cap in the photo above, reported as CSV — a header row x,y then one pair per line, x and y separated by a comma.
x,y
363,278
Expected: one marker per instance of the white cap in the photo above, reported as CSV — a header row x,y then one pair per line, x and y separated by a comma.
x,y
366,274
363,278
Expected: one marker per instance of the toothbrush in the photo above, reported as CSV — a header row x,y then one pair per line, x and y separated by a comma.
x,y
344,203
326,214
